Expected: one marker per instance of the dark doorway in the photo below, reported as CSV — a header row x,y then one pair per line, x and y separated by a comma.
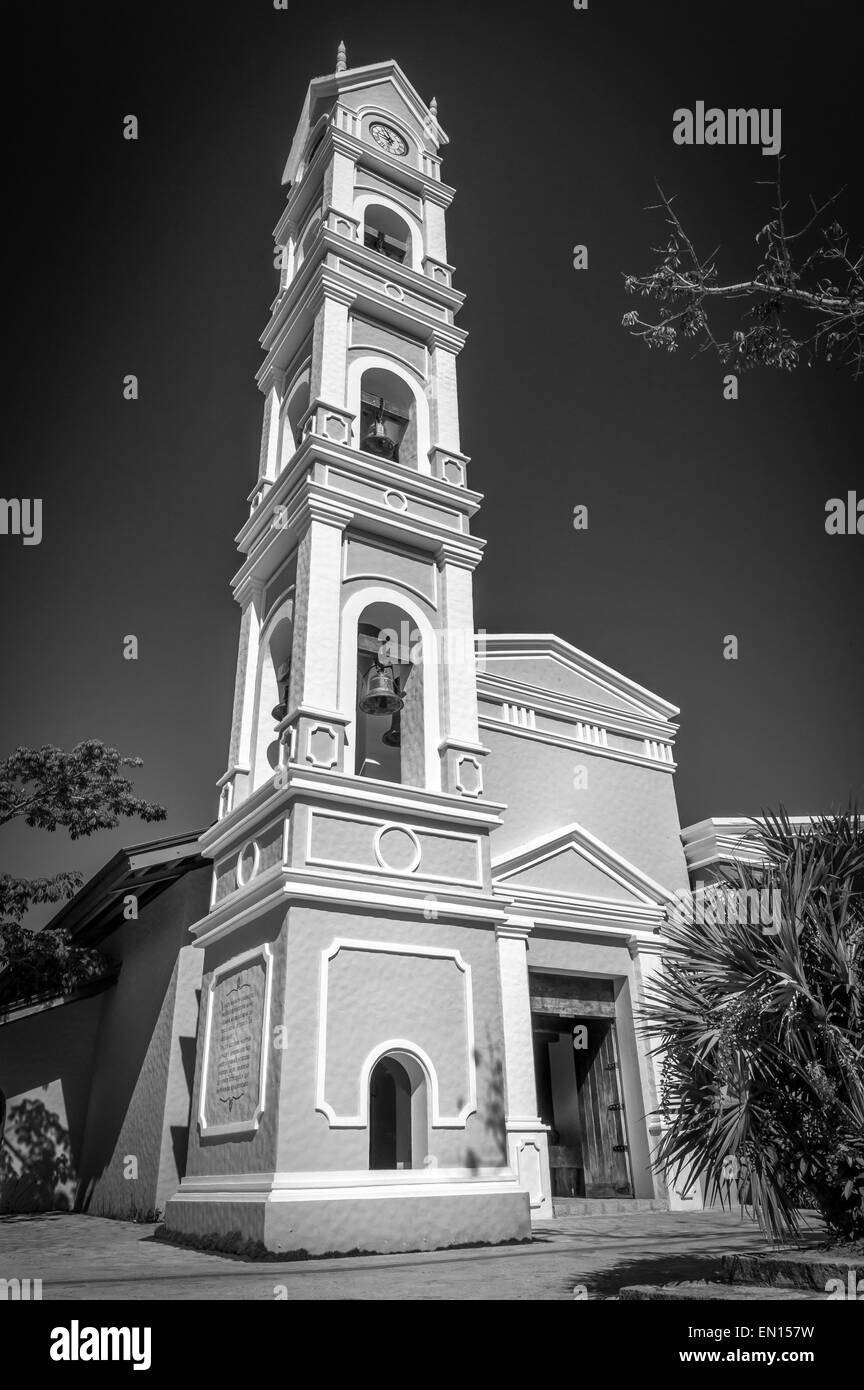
x,y
579,1097
389,1116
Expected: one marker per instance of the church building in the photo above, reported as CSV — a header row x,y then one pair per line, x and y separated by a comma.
x,y
387,1001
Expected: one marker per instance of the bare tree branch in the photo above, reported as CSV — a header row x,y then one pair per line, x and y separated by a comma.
x,y
789,287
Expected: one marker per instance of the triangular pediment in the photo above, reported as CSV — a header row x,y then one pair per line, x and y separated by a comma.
x,y
546,664
573,863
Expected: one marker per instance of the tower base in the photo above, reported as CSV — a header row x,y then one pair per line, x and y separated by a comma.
x,y
326,1213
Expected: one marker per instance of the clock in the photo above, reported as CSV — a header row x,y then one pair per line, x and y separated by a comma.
x,y
389,139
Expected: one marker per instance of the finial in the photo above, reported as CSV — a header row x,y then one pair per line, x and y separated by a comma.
x,y
433,107
341,58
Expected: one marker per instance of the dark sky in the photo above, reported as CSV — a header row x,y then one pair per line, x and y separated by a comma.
x,y
155,257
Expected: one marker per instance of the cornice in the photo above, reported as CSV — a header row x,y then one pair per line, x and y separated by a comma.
x,y
547,644
325,787
591,750
556,704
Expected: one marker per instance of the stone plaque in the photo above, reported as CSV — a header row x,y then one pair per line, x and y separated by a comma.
x,y
234,1078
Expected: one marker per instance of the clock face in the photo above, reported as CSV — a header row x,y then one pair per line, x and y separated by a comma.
x,y
389,139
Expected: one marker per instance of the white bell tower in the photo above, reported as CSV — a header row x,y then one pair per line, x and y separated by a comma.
x,y
351,1084
360,517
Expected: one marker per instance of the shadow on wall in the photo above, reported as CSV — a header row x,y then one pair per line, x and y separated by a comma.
x,y
491,1086
36,1169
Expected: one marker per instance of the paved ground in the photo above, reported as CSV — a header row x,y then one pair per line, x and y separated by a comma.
x,y
83,1257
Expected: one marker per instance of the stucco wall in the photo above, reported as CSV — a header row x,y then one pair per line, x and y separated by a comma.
x,y
139,1048
46,1064
630,808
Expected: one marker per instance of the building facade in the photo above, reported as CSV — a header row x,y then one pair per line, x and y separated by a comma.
x,y
441,862
437,877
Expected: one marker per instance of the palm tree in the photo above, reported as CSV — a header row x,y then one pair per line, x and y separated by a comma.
x,y
760,1028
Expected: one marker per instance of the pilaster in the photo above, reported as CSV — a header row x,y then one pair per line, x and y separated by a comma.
x,y
527,1136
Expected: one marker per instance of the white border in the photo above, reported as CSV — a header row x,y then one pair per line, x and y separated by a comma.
x,y
361,1120
349,866
265,953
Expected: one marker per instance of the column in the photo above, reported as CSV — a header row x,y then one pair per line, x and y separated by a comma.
x,y
462,753
234,785
527,1136
314,728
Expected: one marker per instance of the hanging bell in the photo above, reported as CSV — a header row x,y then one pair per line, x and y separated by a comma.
x,y
379,440
380,695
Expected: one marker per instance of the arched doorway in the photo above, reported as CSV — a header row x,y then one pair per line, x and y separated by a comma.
x,y
398,1125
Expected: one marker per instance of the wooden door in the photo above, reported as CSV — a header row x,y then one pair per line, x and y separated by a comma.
x,y
601,1110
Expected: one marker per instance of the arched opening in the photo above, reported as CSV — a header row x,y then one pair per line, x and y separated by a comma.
x,y
388,417
390,746
309,235
294,412
387,233
398,1114
273,695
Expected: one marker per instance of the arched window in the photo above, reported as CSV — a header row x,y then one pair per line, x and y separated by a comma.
x,y
273,695
387,233
398,1113
388,417
294,412
390,742
309,236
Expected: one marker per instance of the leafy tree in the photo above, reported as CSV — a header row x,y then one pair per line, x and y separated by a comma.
x,y
805,294
81,792
761,1031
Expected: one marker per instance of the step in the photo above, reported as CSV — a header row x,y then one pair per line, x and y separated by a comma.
x,y
700,1291
606,1206
797,1269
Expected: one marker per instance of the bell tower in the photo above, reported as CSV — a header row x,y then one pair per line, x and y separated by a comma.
x,y
362,489
350,1079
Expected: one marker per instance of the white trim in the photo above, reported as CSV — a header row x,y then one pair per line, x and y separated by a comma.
x,y
349,866
621,755
368,360
600,855
390,548
354,607
415,844
399,1185
361,1120
250,1126
531,646
243,879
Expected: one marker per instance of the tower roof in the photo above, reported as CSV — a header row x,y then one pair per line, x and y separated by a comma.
x,y
323,90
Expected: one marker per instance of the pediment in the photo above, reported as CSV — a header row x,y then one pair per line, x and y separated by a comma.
x,y
574,863
547,664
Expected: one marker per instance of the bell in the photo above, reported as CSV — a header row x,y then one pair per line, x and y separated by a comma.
x,y
279,712
380,695
379,440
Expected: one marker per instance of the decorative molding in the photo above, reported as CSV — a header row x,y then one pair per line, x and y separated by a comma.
x,y
265,953
601,856
361,1120
243,878
468,760
414,832
333,760
519,715
417,852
